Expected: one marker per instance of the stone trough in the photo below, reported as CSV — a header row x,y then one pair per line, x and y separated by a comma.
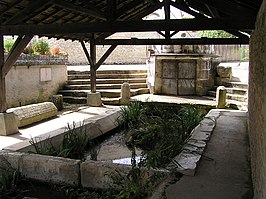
x,y
92,174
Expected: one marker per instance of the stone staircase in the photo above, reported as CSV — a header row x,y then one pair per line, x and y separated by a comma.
x,y
108,83
236,91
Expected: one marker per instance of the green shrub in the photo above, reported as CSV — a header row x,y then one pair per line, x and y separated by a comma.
x,y
40,47
8,44
216,34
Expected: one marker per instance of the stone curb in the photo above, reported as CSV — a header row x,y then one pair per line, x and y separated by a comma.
x,y
95,127
186,162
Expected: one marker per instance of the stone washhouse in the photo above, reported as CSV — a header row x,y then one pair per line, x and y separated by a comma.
x,y
85,21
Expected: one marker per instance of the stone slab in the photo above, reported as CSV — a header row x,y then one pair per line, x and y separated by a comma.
x,y
224,71
186,162
29,114
50,169
8,124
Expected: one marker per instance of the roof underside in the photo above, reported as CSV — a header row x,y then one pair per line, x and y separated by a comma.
x,y
80,19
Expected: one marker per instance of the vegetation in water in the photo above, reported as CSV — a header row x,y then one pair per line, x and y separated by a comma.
x,y
159,130
9,179
73,145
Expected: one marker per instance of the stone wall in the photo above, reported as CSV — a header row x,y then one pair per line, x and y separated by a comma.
x,y
123,54
257,106
138,54
34,82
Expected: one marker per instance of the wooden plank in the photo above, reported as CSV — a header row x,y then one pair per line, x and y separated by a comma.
x,y
17,49
133,26
3,106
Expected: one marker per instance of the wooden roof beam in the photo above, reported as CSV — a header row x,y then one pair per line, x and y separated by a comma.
x,y
132,26
19,45
179,41
70,6
29,10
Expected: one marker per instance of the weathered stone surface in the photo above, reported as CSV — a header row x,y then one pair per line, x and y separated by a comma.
x,y
8,124
94,99
221,81
13,158
125,93
50,169
95,174
221,97
30,114
256,104
186,162
58,101
224,71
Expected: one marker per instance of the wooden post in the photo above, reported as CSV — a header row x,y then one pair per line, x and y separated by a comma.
x,y
3,105
92,65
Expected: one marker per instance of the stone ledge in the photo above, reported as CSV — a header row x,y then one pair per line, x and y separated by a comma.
x,y
94,128
186,162
43,168
29,114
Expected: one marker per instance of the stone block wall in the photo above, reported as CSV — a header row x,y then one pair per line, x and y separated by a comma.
x,y
257,104
123,54
181,74
35,81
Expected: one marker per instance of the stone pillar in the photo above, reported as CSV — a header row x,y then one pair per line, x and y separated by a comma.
x,y
8,124
94,99
125,93
58,102
221,97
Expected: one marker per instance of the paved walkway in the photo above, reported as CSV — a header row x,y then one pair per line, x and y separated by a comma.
x,y
227,175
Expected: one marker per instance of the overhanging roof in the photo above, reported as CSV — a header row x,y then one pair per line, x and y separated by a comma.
x,y
78,19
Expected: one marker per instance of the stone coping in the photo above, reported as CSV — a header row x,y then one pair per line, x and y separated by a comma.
x,y
187,161
32,59
93,173
95,127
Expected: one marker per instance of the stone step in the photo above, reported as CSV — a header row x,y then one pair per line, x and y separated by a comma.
x,y
236,97
110,93
236,85
73,72
107,76
104,86
107,81
237,91
75,100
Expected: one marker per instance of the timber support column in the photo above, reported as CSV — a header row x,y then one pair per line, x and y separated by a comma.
x,y
3,106
8,123
93,63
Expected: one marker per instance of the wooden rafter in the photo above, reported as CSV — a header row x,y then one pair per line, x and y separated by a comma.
x,y
70,6
18,47
33,7
105,56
